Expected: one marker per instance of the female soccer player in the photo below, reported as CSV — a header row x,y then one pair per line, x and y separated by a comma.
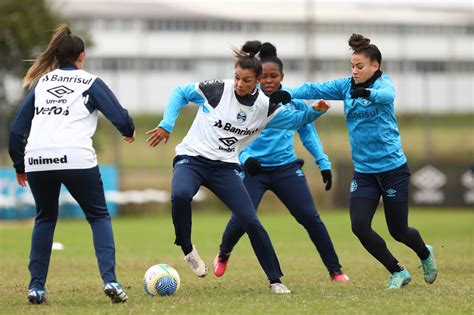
x,y
60,115
232,113
381,168
270,163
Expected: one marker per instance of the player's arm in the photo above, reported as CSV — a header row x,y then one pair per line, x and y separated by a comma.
x,y
283,118
312,143
383,95
19,130
99,96
180,97
329,90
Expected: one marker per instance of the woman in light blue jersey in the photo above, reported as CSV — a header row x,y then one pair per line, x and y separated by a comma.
x,y
381,168
270,163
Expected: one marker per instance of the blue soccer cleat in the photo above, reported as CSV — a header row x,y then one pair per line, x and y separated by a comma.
x,y
115,292
430,270
37,296
399,279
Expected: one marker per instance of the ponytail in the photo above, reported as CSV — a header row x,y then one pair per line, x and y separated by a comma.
x,y
63,48
246,56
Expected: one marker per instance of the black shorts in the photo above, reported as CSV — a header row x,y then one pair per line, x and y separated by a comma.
x,y
392,185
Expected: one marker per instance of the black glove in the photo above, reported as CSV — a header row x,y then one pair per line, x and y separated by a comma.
x,y
360,92
252,166
280,96
327,178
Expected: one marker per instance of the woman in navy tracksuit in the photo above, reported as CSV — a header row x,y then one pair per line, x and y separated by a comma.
x,y
50,145
270,163
381,168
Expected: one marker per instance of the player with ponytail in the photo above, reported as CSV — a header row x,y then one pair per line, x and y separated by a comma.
x,y
270,163
381,168
231,114
51,145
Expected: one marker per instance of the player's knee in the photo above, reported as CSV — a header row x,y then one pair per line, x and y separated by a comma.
x,y
399,235
360,230
181,196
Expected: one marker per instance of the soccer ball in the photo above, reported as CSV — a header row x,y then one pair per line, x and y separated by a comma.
x,y
161,279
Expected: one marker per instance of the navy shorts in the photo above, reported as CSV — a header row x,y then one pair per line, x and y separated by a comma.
x,y
390,185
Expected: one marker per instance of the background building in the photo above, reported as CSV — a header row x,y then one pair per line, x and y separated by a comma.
x,y
145,48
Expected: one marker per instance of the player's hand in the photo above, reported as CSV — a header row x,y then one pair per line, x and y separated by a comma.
x,y
157,135
322,106
360,92
129,139
252,166
327,178
21,179
280,96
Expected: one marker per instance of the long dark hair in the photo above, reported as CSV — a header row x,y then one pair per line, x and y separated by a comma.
x,y
246,56
64,48
362,45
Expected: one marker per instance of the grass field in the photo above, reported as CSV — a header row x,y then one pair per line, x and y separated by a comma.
x,y
74,285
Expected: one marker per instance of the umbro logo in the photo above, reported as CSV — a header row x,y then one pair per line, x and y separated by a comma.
x,y
229,141
60,91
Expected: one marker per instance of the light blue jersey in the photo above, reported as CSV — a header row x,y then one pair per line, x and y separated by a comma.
x,y
274,147
373,128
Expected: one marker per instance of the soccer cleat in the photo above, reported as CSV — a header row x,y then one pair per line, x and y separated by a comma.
x,y
36,296
399,279
220,264
197,264
339,276
430,270
279,288
115,292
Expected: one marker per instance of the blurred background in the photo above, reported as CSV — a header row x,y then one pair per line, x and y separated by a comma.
x,y
143,49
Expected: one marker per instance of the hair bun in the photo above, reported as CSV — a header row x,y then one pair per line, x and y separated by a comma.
x,y
268,50
252,47
357,42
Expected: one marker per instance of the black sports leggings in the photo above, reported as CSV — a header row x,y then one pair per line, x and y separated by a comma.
x,y
362,211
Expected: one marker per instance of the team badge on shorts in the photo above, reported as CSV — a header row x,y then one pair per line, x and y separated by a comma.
x,y
241,117
391,192
353,185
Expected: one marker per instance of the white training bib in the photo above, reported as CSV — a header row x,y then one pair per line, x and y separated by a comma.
x,y
223,126
62,126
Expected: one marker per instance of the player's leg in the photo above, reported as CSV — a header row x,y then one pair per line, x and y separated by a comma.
x,y
395,184
45,189
227,184
188,174
85,185
256,187
290,185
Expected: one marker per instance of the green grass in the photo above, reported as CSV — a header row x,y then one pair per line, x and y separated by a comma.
x,y
74,285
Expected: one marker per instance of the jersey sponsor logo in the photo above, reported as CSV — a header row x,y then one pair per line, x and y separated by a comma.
x,y
45,161
53,110
241,117
60,91
229,141
211,82
68,79
363,114
230,128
